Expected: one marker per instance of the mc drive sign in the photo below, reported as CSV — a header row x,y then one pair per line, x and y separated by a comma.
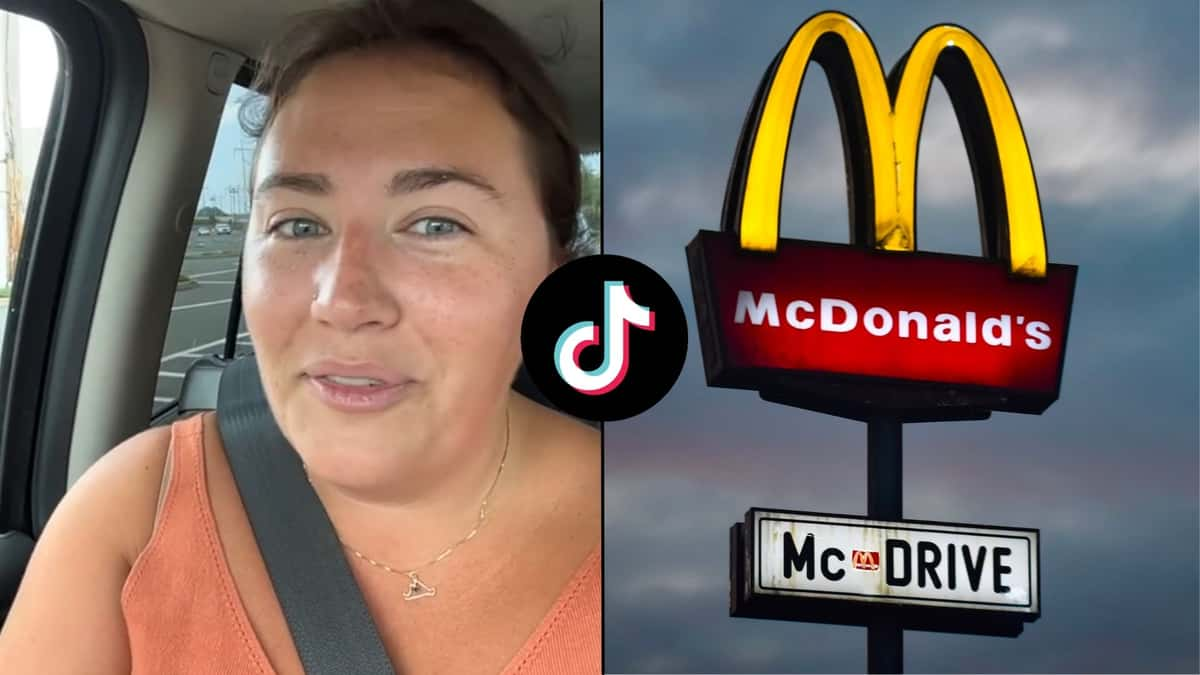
x,y
820,557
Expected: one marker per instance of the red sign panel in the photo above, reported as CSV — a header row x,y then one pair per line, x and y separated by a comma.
x,y
955,324
865,560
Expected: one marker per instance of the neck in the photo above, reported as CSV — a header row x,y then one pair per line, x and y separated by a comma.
x,y
414,518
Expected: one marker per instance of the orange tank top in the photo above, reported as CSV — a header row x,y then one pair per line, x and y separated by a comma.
x,y
183,613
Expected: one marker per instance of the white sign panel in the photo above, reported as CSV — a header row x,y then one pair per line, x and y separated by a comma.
x,y
907,563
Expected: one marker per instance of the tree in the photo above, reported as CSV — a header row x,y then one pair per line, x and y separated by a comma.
x,y
589,212
209,215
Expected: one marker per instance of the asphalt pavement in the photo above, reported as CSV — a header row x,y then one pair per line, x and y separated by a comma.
x,y
200,313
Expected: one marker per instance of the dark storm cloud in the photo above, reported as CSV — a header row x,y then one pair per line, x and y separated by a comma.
x,y
1109,99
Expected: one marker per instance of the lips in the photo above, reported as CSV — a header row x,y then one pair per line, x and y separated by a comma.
x,y
357,387
356,374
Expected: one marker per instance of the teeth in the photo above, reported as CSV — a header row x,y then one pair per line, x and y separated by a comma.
x,y
354,381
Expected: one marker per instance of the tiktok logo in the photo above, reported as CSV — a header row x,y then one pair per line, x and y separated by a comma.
x,y
604,338
620,312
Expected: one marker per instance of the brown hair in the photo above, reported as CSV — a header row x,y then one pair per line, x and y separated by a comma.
x,y
460,28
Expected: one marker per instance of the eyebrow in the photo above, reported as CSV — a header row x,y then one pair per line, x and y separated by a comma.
x,y
413,180
308,183
404,182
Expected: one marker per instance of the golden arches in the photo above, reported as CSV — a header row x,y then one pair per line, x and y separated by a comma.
x,y
891,120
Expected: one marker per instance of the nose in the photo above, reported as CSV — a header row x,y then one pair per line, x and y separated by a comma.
x,y
351,290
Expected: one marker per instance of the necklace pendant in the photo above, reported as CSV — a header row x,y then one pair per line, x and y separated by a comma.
x,y
418,589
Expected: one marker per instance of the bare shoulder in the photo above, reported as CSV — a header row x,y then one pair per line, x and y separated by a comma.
x,y
72,585
126,484
118,495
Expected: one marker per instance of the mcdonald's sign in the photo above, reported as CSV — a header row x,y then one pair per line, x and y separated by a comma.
x,y
875,325
800,565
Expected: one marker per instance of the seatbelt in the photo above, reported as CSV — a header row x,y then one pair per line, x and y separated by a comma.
x,y
324,608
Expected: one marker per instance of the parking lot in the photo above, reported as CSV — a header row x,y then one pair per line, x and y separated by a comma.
x,y
200,312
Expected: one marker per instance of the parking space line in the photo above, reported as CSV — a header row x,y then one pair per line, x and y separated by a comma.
x,y
202,304
163,399
212,274
189,350
167,373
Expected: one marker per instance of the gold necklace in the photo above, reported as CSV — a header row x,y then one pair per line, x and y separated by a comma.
x,y
416,587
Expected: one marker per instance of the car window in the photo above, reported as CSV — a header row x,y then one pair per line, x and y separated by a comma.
x,y
29,71
204,290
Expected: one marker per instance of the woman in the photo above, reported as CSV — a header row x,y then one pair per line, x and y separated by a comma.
x,y
414,183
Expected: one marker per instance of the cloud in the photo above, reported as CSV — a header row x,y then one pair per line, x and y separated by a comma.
x,y
1096,144
1098,131
679,195
1029,33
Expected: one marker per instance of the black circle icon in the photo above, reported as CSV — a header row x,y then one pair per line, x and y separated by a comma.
x,y
604,337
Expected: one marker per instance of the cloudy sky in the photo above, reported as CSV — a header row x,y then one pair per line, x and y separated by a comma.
x,y
1109,96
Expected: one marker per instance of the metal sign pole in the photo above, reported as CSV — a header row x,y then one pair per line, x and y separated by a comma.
x,y
885,501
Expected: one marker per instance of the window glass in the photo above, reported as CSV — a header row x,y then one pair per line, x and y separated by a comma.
x,y
204,291
29,71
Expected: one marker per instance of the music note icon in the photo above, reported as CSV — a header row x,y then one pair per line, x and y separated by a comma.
x,y
620,312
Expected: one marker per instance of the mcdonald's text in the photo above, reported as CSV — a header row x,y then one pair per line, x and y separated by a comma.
x,y
841,316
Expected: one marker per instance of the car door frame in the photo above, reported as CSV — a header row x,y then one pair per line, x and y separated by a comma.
x,y
97,113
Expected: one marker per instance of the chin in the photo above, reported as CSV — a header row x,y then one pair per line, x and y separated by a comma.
x,y
332,442
352,463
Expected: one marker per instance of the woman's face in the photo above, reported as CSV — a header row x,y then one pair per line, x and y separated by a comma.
x,y
396,237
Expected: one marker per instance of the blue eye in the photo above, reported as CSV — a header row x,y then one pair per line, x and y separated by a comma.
x,y
298,228
435,227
